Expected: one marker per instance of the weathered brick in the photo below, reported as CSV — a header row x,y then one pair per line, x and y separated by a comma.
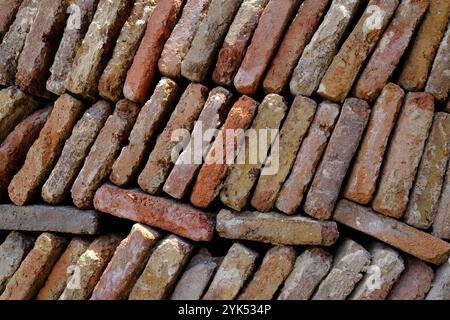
x,y
162,270
210,178
75,150
320,51
440,287
441,225
105,150
265,227
366,168
403,156
45,150
208,39
7,15
309,270
34,269
126,264
166,214
344,141
399,235
390,49
275,268
212,116
234,270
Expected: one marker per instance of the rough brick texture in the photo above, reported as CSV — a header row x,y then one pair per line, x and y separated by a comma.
x,y
7,15
441,225
440,287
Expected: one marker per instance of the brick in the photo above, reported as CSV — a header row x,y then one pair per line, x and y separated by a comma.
x,y
350,263
441,284
309,270
75,150
292,191
212,116
294,128
13,150
242,176
265,227
196,277
414,72
166,214
89,267
393,232
96,48
179,42
403,157
46,218
81,15
162,270
235,44
208,39
7,15
275,268
105,150
344,141
414,282
63,269
441,225
319,53
14,40
234,270
151,117
297,37
213,172
364,174
390,49
161,160
45,151
12,251
113,77
424,199
144,69
126,264
34,269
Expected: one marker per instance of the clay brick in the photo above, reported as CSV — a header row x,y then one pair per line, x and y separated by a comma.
x,y
265,227
126,264
424,200
144,69
297,37
399,235
62,270
344,141
81,15
441,225
213,172
105,150
311,150
208,39
242,176
390,49
441,284
166,214
162,270
97,45
237,40
350,263
212,116
403,156
161,160
113,78
74,152
179,42
45,150
7,15
34,269
90,266
309,270
420,57
234,270
275,268
294,128
46,218
320,51
366,168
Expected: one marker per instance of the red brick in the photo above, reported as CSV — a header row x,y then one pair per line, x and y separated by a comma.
x,y
441,225
7,14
